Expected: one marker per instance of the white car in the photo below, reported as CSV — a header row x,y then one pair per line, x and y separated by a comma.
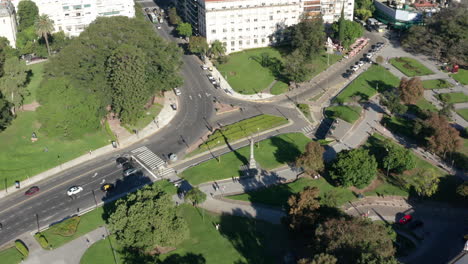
x,y
74,190
204,67
214,82
360,63
369,55
177,91
355,68
210,77
130,171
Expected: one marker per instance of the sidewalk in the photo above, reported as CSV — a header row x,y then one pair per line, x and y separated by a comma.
x,y
164,117
69,253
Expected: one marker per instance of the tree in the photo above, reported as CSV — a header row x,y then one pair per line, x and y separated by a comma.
x,y
295,68
12,84
174,19
411,90
462,189
321,258
198,45
367,258
355,167
25,40
195,196
27,14
146,219
302,212
127,69
398,159
184,29
217,49
65,111
364,9
341,27
44,26
348,239
312,158
308,37
391,100
424,181
331,198
5,114
443,137
347,31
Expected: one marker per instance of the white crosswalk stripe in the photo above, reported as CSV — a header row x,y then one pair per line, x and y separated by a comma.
x,y
150,159
308,129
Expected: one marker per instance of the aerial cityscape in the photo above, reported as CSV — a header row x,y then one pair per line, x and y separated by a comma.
x,y
234,131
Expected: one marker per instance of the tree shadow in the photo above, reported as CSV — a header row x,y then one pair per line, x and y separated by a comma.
x,y
286,152
380,86
323,128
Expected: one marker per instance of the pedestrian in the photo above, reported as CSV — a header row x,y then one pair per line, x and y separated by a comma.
x,y
46,149
217,226
214,187
90,152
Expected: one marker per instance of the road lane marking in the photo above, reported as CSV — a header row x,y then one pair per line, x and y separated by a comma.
x,y
190,97
199,95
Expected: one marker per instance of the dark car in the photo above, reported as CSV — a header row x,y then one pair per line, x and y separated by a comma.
x,y
127,166
31,191
121,160
416,224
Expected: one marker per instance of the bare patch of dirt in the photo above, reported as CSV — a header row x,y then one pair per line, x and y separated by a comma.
x,y
372,186
30,107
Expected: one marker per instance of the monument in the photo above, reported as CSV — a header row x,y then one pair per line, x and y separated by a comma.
x,y
252,163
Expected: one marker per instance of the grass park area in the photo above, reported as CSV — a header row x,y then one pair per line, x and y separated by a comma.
x,y
242,129
453,98
246,75
35,78
146,119
11,256
410,67
304,108
270,154
375,79
348,113
436,84
463,113
239,240
425,105
461,76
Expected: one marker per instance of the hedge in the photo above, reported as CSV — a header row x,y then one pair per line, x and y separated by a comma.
x,y
21,247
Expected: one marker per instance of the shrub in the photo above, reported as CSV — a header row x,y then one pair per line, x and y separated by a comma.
x,y
42,240
67,227
21,247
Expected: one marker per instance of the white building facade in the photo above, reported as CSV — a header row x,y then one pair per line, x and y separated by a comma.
x,y
73,16
246,24
8,25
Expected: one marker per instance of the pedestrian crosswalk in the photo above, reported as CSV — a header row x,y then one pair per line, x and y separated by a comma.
x,y
152,161
308,129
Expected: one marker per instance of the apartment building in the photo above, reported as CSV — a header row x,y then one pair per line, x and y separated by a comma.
x,y
8,23
73,16
246,24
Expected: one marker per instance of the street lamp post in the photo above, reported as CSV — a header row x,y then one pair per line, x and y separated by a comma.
x,y
37,221
258,137
95,201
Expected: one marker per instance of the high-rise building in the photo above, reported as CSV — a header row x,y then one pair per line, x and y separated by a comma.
x,y
246,24
73,16
8,23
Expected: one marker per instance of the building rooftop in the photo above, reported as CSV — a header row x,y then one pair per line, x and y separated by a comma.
x,y
339,129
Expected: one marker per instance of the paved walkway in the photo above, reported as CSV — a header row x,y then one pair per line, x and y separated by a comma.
x,y
69,253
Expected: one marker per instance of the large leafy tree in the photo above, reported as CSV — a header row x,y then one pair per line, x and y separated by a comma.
x,y
367,258
348,239
217,49
198,45
444,35
195,196
12,83
44,27
184,29
398,159
347,31
5,114
391,100
312,159
146,219
462,189
443,137
424,181
295,68
27,14
174,19
66,111
355,167
126,69
26,40
321,258
410,90
308,37
302,213
364,8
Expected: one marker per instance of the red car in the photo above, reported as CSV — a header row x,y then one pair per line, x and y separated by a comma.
x,y
31,191
405,219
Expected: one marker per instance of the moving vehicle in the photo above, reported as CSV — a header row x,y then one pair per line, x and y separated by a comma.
x,y
121,160
130,171
174,106
172,156
31,191
74,190
177,91
107,187
405,219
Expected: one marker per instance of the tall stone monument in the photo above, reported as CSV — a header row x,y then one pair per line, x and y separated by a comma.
x,y
252,163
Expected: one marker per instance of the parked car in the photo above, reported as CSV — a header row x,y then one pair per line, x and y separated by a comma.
x,y
130,171
177,91
213,82
416,224
31,191
172,156
204,67
174,106
369,55
210,77
127,166
355,68
360,63
405,219
74,190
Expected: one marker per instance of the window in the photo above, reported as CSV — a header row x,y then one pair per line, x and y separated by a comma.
x,y
78,14
240,29
213,31
67,14
224,30
233,30
66,7
263,40
255,20
255,41
271,17
87,5
263,27
240,42
233,43
77,7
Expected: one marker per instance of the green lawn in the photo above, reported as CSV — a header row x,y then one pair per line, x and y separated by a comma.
x,y
244,72
37,71
461,76
279,88
242,129
20,158
347,113
463,113
11,256
424,104
148,117
454,98
239,240
436,84
399,125
278,195
375,79
272,153
410,67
